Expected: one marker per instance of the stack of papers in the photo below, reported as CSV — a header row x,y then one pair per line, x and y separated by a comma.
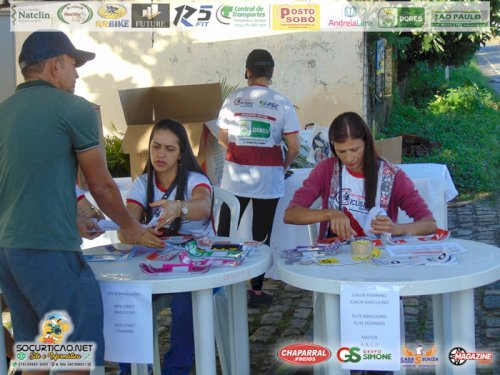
x,y
428,254
106,253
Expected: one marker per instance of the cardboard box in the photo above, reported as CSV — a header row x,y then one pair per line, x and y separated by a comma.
x,y
192,105
391,149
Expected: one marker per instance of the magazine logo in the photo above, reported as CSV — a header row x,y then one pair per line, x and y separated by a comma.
x,y
458,356
151,16
112,11
300,354
75,13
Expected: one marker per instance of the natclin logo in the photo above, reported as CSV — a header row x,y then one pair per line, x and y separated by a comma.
x,y
54,328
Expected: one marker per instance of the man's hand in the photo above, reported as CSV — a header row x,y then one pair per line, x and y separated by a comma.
x,y
88,227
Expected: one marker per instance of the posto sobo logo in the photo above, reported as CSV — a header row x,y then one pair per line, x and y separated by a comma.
x,y
304,354
346,354
291,14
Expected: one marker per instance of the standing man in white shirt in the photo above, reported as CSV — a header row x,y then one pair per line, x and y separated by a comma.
x,y
252,123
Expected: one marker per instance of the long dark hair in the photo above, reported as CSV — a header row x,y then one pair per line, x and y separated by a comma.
x,y
351,125
187,163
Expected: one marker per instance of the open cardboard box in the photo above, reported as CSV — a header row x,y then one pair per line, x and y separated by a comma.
x,y
192,105
390,148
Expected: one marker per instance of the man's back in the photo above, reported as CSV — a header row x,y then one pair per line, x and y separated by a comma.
x,y
41,127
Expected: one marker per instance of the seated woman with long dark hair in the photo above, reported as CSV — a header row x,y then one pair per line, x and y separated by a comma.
x,y
353,181
174,189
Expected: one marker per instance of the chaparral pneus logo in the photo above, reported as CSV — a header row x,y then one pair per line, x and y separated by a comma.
x,y
304,354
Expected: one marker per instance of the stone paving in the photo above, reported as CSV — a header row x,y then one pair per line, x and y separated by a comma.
x,y
289,319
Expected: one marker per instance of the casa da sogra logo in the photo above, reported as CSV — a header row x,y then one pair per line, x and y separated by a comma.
x,y
50,350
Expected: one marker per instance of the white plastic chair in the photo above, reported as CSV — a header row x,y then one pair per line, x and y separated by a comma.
x,y
223,196
220,298
222,317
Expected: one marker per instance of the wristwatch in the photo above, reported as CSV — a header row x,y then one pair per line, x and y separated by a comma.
x,y
184,209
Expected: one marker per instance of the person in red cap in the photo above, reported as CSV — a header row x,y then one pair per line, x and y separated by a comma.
x,y
252,124
45,131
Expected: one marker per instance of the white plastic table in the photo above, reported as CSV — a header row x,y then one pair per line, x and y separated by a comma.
x,y
201,286
455,284
433,182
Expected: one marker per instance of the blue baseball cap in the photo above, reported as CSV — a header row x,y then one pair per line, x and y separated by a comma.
x,y
43,45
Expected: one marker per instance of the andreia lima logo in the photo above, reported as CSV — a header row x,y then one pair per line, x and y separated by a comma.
x,y
50,350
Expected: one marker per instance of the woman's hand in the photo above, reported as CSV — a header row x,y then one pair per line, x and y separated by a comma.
x,y
340,224
171,210
383,224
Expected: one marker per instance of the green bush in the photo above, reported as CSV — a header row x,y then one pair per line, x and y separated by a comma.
x,y
463,117
118,162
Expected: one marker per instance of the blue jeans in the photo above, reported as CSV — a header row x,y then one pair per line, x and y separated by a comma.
x,y
37,282
179,359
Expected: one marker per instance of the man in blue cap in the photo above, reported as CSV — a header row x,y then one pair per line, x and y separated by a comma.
x,y
45,132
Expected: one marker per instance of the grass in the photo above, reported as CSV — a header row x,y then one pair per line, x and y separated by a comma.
x,y
462,115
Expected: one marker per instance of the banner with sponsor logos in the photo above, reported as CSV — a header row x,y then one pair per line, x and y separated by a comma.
x,y
269,17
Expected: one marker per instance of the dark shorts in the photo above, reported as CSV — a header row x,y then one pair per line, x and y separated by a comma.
x,y
36,282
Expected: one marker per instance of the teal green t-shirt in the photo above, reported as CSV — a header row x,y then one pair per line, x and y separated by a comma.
x,y
41,130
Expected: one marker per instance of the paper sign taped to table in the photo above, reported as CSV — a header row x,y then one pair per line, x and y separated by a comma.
x,y
128,322
369,327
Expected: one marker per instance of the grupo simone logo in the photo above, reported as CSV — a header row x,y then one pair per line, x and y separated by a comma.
x,y
112,11
346,354
301,354
75,13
